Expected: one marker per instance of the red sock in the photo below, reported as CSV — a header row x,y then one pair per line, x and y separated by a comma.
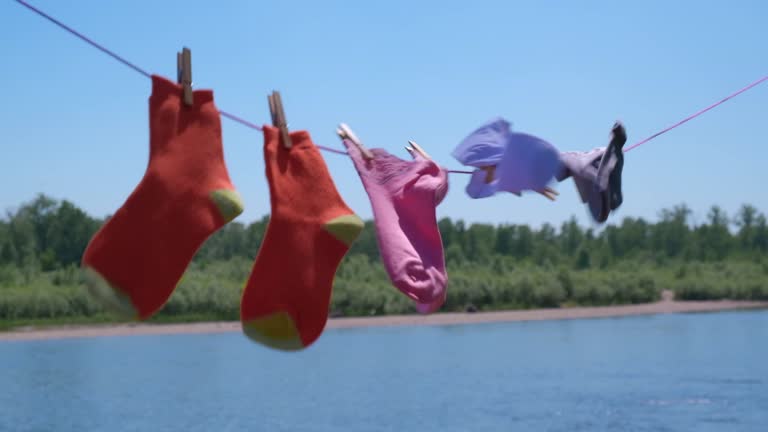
x,y
285,304
136,259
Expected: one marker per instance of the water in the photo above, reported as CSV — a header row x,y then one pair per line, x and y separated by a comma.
x,y
691,372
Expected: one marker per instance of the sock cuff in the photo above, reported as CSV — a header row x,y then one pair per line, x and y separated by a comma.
x,y
300,139
163,88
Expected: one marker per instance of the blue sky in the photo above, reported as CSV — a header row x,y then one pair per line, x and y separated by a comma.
x,y
74,121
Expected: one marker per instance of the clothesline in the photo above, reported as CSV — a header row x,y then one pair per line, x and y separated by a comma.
x,y
696,114
329,149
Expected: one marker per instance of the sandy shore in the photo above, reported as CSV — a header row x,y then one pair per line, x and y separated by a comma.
x,y
663,307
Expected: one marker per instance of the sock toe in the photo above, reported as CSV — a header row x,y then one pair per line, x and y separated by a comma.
x,y
277,330
428,308
420,284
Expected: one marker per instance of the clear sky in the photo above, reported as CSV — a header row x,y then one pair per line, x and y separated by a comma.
x,y
74,121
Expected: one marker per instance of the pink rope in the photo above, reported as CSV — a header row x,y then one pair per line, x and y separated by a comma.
x,y
238,119
119,58
332,150
83,37
765,78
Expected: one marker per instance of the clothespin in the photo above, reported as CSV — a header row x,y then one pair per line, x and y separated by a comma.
x,y
184,73
278,117
490,173
549,193
417,148
344,132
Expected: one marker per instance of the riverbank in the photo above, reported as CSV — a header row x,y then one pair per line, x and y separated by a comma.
x,y
662,307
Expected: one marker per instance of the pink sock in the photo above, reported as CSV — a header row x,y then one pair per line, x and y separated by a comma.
x,y
404,196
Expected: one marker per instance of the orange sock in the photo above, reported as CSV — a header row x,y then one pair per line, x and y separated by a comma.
x,y
135,260
285,303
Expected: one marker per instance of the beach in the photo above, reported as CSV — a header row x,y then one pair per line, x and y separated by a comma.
x,y
666,306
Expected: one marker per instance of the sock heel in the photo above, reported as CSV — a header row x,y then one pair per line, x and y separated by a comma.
x,y
228,202
111,297
345,228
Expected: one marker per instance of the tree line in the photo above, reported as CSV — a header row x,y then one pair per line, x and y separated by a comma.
x,y
489,266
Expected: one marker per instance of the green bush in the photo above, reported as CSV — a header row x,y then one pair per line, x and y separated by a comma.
x,y
211,290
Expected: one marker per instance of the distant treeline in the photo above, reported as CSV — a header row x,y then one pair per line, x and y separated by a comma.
x,y
490,267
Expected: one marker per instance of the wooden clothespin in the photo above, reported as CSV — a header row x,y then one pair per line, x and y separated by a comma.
x,y
344,132
184,74
490,173
550,193
278,117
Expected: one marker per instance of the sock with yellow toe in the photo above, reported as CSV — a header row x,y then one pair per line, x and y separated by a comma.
x,y
134,262
285,302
